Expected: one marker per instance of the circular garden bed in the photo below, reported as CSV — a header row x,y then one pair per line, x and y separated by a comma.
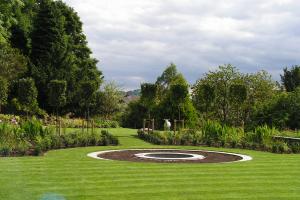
x,y
169,156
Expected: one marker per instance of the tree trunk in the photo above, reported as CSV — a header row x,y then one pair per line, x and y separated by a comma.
x,y
57,123
88,118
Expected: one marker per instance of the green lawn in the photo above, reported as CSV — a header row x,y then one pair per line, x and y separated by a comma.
x,y
70,174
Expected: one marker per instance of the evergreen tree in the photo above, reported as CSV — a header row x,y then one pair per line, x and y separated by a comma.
x,y
59,51
49,48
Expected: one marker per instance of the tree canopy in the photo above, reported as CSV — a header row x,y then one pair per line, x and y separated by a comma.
x,y
291,78
43,40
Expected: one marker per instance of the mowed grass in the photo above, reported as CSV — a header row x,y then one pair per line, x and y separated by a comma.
x,y
70,174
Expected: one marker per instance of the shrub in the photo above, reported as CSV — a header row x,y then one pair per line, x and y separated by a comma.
x,y
280,147
233,136
5,150
212,132
108,139
263,134
216,134
32,128
156,137
295,147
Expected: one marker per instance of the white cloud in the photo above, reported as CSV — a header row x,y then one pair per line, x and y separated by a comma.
x,y
135,38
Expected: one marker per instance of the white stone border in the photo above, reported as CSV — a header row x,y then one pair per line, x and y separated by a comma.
x,y
244,157
146,155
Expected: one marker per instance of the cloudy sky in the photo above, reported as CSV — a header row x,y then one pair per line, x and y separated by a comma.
x,y
136,39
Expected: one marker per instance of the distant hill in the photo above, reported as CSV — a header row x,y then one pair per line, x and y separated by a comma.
x,y
132,95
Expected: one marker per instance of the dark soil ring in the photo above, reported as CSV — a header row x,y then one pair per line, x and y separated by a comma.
x,y
132,155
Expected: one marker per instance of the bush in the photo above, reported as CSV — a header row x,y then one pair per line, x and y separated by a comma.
x,y
280,147
295,147
234,136
32,128
108,139
217,135
212,132
263,134
5,150
156,137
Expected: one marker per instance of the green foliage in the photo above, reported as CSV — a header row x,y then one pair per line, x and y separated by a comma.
x,y
108,139
50,51
204,97
134,114
12,64
77,122
77,139
87,96
263,134
100,123
31,138
32,129
179,92
221,79
280,147
48,35
3,91
232,96
167,99
238,93
27,95
157,137
291,78
109,101
167,76
149,95
282,111
214,134
9,118
7,17
177,105
57,93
